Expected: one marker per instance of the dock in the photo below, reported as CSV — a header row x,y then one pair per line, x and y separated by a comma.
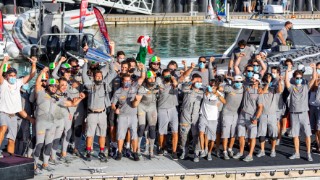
x,y
185,18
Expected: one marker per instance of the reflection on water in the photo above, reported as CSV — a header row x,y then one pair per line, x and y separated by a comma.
x,y
178,40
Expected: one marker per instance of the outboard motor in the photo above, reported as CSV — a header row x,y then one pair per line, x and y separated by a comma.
x,y
71,44
53,45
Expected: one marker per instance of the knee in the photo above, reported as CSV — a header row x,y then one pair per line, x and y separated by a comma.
x,y
152,132
37,149
47,149
55,144
141,130
262,138
69,134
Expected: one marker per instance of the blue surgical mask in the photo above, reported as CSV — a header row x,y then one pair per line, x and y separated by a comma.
x,y
270,85
256,69
241,49
249,74
298,81
238,85
210,89
198,85
12,80
318,71
274,75
127,84
201,65
25,87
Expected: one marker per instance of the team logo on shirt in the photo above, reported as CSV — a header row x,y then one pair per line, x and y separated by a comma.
x,y
123,98
40,132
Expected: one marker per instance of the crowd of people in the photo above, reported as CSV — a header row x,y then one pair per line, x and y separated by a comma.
x,y
202,108
250,6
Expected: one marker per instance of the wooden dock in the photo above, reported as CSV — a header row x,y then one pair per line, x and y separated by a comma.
x,y
184,18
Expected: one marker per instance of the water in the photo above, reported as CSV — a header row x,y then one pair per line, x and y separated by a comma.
x,y
180,40
168,41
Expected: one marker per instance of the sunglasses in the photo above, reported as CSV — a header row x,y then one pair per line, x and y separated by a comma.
x,y
298,77
157,64
54,86
43,80
255,65
202,62
237,81
249,70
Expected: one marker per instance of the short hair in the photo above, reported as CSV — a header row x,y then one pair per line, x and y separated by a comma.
x,y
119,53
172,63
202,57
287,23
97,72
249,65
72,59
166,71
242,42
130,60
196,75
288,60
125,76
127,63
318,63
276,68
297,72
62,79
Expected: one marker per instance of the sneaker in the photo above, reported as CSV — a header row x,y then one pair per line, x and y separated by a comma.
x,y
102,157
47,168
248,158
237,156
183,155
278,142
160,152
225,155
128,153
76,153
165,152
231,153
37,171
88,155
203,154
174,156
273,154
209,157
196,158
310,157
54,162
295,156
261,154
119,156
65,159
136,157
151,155
146,150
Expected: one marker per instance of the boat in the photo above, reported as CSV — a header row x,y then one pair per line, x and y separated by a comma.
x,y
71,16
51,31
260,29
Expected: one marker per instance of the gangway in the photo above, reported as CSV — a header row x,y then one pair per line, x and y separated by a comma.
x,y
140,6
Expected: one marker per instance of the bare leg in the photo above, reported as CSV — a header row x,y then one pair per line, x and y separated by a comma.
x,y
297,144
201,137
252,145
11,144
242,142
174,141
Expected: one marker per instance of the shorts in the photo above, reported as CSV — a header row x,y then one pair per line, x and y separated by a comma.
x,y
125,123
168,117
246,3
147,114
208,127
11,123
300,122
245,127
229,124
268,122
97,123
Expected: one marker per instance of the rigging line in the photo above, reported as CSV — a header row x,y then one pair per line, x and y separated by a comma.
x,y
161,22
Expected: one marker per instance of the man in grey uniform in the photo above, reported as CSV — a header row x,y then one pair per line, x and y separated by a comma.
x,y
124,103
281,36
243,52
189,120
167,112
147,111
268,118
234,95
98,101
299,117
248,118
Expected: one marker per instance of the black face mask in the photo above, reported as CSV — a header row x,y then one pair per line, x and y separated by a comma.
x,y
98,82
151,84
167,79
132,70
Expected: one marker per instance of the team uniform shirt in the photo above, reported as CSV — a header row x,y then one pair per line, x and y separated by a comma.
x,y
233,97
204,75
269,101
251,99
248,51
123,98
299,98
191,103
277,40
10,97
168,96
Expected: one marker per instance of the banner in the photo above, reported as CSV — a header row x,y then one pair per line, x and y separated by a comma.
x,y
103,29
1,26
221,7
83,11
97,56
211,13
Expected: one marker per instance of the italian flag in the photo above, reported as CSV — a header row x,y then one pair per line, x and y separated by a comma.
x,y
145,48
5,67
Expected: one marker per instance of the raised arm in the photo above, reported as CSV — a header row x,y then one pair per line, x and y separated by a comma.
x,y
38,86
280,88
143,73
56,69
314,75
221,98
236,66
263,66
286,79
5,60
86,80
187,73
210,68
75,101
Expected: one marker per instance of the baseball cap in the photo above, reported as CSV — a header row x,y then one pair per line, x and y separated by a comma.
x,y
264,52
52,81
151,74
257,77
154,59
238,78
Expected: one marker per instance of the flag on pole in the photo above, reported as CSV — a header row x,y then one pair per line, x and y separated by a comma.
x,y
211,13
97,56
103,29
221,6
83,11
